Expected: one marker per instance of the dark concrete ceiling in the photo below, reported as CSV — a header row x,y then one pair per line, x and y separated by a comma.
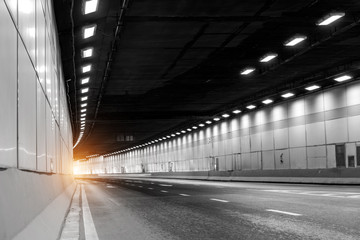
x,y
162,65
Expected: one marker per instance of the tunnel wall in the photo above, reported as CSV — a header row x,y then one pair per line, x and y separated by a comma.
x,y
35,133
319,132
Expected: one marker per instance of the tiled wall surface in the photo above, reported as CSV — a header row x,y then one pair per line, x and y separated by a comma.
x,y
301,133
35,131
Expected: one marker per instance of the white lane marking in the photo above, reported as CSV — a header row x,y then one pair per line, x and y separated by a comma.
x,y
318,193
89,226
165,185
164,191
140,186
150,188
283,212
152,183
109,186
218,200
184,195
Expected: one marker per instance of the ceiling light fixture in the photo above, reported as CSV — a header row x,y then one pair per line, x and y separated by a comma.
x,y
287,95
201,125
85,80
208,122
90,6
247,71
84,90
343,78
86,68
295,40
251,107
84,98
87,52
83,115
313,87
89,31
225,115
216,119
194,127
237,111
330,18
189,129
84,105
268,57
83,110
182,131
267,101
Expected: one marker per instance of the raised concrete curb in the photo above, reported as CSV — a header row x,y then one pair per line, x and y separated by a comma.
x,y
33,205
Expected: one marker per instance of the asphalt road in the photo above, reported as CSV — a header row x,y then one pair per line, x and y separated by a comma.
x,y
186,209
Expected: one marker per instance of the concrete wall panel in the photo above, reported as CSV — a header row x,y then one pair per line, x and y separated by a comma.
x,y
298,158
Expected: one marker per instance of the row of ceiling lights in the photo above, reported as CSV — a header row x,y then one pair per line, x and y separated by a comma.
x,y
326,20
90,6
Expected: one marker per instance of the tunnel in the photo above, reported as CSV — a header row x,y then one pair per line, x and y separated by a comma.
x,y
159,119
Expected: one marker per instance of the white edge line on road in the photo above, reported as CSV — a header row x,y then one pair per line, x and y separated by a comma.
x,y
89,226
218,200
283,212
184,195
164,191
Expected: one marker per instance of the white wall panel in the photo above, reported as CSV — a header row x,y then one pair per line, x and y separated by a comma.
x,y
8,90
336,131
26,11
255,142
331,156
298,158
316,157
27,111
246,161
281,138
268,160
315,134
314,103
282,159
279,112
41,129
335,98
12,5
296,108
297,137
267,140
245,144
354,129
353,94
40,44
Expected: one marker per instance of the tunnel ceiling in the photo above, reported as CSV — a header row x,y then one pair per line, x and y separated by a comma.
x,y
161,66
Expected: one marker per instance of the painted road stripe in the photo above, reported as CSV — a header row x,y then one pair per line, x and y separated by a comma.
x,y
140,186
184,195
283,212
218,200
150,188
89,226
109,186
164,191
165,185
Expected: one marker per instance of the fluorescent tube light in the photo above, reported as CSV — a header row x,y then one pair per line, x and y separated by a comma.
x,y
201,125
85,80
84,105
194,127
247,71
267,101
89,31
343,78
330,18
90,6
295,40
84,90
208,122
287,95
84,98
86,68
237,111
87,52
313,87
251,107
225,115
268,57
216,119
83,110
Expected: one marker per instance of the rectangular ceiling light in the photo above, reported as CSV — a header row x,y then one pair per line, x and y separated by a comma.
x,y
82,119
237,111
251,107
313,87
208,122
201,125
330,18
294,40
267,101
89,31
84,98
342,78
216,119
287,95
85,80
225,115
83,115
268,57
247,71
83,110
90,6
83,105
87,52
86,68
84,90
